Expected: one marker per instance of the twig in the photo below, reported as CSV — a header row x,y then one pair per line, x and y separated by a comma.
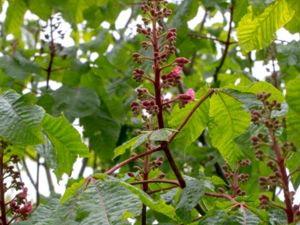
x,y
156,181
162,189
52,54
37,180
227,44
83,166
28,173
133,158
49,179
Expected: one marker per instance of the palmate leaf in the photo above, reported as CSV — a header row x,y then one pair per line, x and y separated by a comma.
x,y
20,123
66,141
258,32
103,202
228,121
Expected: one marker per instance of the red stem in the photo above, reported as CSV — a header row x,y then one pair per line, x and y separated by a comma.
x,y
284,178
133,158
162,189
2,191
156,181
235,184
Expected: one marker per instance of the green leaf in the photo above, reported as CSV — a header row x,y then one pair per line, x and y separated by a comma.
x,y
18,67
292,163
293,115
240,10
103,202
294,25
132,143
14,17
73,189
161,134
184,12
196,124
190,196
66,141
260,87
157,135
228,121
233,218
20,123
42,8
75,102
158,206
103,132
293,126
258,32
293,95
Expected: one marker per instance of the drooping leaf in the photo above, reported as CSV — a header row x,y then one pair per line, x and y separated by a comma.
x,y
20,123
103,132
256,32
66,141
190,196
294,25
75,102
14,17
228,121
18,67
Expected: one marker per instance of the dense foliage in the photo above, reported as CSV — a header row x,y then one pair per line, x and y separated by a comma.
x,y
175,125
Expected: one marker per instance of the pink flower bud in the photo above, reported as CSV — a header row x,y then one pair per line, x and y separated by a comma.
x,y
190,92
176,71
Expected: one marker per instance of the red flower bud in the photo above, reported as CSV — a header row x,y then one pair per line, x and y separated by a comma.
x,y
181,61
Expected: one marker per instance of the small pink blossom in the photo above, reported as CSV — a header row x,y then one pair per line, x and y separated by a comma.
x,y
187,97
176,71
190,92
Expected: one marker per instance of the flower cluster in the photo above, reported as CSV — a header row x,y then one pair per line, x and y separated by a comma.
x,y
270,127
235,178
18,206
162,43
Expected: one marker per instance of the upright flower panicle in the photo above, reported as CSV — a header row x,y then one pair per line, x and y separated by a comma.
x,y
155,10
